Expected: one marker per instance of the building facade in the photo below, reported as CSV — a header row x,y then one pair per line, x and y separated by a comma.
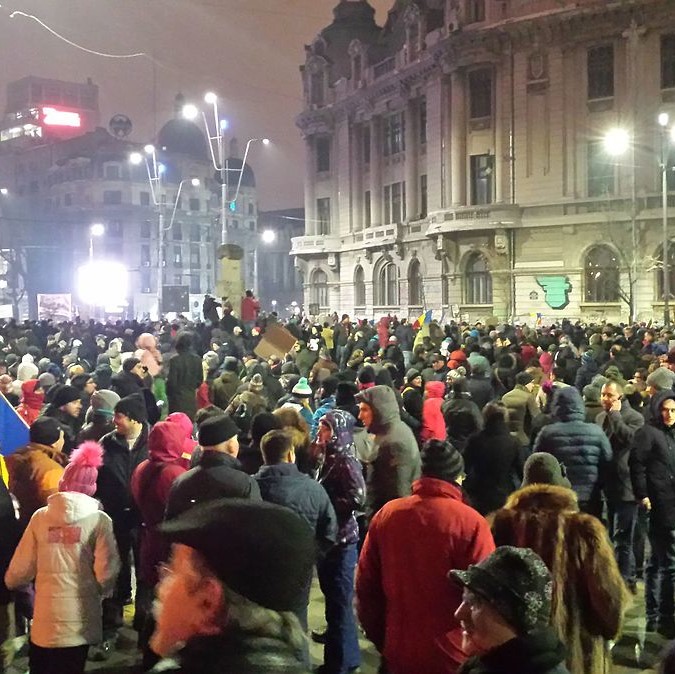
x,y
55,188
489,158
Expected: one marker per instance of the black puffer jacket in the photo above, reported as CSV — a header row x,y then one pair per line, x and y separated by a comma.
x,y
217,475
652,465
235,653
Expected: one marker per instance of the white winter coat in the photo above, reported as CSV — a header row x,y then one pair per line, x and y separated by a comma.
x,y
70,551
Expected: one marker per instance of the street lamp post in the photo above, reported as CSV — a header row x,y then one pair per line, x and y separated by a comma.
x,y
96,230
268,237
154,170
665,148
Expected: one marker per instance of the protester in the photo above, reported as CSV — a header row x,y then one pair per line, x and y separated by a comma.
x,y
69,549
184,376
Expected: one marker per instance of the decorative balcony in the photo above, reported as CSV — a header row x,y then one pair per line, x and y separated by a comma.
x,y
315,244
489,216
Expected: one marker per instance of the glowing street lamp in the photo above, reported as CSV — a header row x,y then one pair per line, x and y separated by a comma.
x,y
616,142
96,230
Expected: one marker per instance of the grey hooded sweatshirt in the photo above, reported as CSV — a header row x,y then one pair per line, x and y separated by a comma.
x,y
398,463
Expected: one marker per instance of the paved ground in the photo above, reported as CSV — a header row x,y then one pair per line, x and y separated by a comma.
x,y
632,654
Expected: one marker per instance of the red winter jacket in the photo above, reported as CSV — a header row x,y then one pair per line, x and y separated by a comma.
x,y
433,423
150,486
405,602
31,402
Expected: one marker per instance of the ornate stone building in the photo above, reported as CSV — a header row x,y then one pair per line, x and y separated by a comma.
x,y
457,158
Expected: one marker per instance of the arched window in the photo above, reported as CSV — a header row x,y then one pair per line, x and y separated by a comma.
x,y
359,287
671,271
415,284
386,285
319,288
478,279
601,275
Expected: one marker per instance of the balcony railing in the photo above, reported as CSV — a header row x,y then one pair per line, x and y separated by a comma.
x,y
474,217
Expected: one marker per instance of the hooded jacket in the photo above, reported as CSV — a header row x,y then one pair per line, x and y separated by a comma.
x,y
148,353
397,465
150,486
34,474
582,447
433,423
70,551
187,428
31,402
224,388
652,464
341,475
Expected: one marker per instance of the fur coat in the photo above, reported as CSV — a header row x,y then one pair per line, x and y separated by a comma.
x,y
589,596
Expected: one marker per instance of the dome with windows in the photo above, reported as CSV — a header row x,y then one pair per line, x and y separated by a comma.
x,y
182,136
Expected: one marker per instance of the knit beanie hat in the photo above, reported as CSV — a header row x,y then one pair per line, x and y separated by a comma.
x,y
230,364
130,363
411,374
82,470
441,460
302,388
544,468
47,380
211,359
64,394
27,369
329,386
103,402
591,393
661,379
256,383
44,431
217,430
133,407
262,423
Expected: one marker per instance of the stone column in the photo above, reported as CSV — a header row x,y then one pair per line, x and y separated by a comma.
x,y
375,172
411,158
310,192
458,138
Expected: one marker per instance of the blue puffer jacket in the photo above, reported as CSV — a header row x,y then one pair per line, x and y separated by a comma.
x,y
582,447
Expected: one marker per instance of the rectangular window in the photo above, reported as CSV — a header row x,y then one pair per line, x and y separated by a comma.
x,y
251,208
482,168
316,88
112,197
423,196
667,61
365,144
195,205
393,134
146,280
480,93
323,216
144,198
195,286
177,231
600,170
367,218
394,203
178,279
475,11
322,154
145,255
145,229
112,172
422,119
600,69
194,257
114,229
194,232
177,256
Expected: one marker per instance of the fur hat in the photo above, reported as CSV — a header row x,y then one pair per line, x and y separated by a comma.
x,y
64,394
256,383
211,359
82,470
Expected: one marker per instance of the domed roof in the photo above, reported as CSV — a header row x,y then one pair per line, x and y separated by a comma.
x,y
234,165
183,137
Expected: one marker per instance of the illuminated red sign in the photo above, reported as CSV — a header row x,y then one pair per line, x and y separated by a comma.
x,y
54,117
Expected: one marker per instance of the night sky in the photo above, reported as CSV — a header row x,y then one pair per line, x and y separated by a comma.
x,y
247,51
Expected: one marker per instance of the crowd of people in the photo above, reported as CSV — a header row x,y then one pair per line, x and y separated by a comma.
x,y
474,498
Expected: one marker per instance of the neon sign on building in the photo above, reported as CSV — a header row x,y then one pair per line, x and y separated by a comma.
x,y
55,117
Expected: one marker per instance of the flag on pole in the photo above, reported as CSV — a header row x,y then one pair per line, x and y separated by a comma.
x,y
424,319
13,429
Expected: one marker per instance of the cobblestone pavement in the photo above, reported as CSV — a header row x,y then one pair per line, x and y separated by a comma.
x,y
632,654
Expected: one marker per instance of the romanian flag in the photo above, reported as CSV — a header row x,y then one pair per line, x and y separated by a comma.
x,y
424,319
